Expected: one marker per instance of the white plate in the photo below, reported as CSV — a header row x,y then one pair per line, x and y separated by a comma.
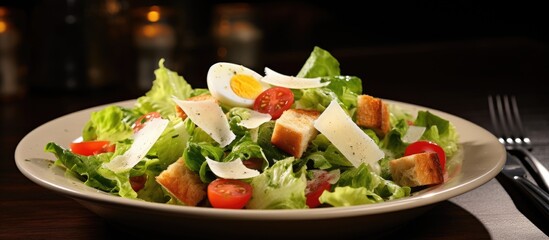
x,y
483,158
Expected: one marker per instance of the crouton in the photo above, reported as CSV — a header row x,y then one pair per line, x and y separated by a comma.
x,y
417,170
373,113
182,113
182,183
294,130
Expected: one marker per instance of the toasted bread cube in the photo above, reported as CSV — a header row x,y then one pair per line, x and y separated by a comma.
x,y
373,113
385,119
294,130
182,113
182,183
417,170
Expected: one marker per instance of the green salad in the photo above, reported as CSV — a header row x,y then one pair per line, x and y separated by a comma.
x,y
261,141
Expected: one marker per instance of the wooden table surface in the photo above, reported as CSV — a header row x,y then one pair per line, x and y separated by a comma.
x,y
451,77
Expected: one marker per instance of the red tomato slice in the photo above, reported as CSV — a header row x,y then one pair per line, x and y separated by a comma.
x,y
253,163
229,193
274,101
88,148
315,192
138,182
140,122
427,146
315,187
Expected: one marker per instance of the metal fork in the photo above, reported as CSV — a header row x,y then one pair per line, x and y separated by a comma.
x,y
507,123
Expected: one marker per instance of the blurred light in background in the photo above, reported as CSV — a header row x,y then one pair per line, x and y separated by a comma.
x,y
153,15
154,39
107,36
237,37
11,85
78,45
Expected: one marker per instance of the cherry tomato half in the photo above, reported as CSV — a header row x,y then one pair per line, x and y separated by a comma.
x,y
138,182
140,122
274,101
229,193
88,148
315,192
427,146
253,163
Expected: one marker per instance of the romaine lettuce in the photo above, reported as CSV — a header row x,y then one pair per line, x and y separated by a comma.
x,y
360,186
279,187
167,84
112,123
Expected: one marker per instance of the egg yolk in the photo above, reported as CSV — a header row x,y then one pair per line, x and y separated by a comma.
x,y
245,86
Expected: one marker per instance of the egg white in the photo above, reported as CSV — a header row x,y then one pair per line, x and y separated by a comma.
x,y
219,83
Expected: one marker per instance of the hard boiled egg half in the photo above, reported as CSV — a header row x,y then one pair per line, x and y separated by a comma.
x,y
234,84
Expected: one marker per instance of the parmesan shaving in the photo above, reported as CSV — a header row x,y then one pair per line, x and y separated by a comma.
x,y
144,139
208,116
413,134
281,80
347,137
255,120
231,170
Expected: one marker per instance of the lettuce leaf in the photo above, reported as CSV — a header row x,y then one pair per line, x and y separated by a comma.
x,y
85,167
196,152
361,186
324,154
90,170
112,123
279,187
314,98
236,115
392,143
319,64
264,134
344,89
170,145
348,196
245,149
159,98
439,130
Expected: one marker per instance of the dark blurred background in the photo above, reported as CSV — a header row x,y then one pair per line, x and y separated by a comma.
x,y
76,46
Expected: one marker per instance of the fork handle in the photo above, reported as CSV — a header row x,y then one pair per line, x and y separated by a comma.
x,y
529,199
539,173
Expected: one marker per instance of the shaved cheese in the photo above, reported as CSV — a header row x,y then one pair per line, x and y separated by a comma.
x,y
281,80
231,170
413,134
347,137
144,139
208,116
255,120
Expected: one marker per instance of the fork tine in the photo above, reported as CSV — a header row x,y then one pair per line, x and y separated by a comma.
x,y
494,118
507,124
512,134
521,136
504,120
